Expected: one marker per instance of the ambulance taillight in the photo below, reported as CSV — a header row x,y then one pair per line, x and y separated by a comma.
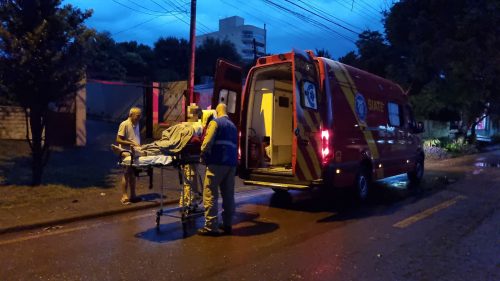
x,y
326,151
239,145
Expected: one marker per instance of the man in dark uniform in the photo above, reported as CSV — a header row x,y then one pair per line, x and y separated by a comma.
x,y
219,152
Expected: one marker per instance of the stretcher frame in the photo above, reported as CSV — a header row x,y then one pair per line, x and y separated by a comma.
x,y
179,160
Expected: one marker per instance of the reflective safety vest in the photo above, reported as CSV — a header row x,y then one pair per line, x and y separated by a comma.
x,y
224,150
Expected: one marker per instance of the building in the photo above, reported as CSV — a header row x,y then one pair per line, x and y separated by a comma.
x,y
242,36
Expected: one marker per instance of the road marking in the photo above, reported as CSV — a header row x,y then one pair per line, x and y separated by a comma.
x,y
424,214
239,195
21,239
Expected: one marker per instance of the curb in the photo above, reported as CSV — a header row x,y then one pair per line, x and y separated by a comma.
x,y
18,228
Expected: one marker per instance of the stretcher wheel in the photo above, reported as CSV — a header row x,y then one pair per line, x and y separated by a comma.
x,y
158,215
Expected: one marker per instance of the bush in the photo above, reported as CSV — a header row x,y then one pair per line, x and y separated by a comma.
x,y
444,147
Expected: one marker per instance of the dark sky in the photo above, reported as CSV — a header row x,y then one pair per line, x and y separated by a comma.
x,y
329,24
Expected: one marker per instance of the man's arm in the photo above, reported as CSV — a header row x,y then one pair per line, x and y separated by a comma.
x,y
208,141
122,140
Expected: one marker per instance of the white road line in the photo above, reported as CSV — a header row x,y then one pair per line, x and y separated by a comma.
x,y
426,213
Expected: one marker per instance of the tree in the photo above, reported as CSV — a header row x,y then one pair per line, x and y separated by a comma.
x,y
136,58
323,53
42,50
447,54
373,52
212,49
105,59
171,59
351,58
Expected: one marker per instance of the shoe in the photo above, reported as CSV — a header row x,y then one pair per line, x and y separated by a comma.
x,y
125,201
226,229
207,232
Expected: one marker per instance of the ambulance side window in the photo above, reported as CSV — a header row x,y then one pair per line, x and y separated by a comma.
x,y
394,114
229,98
309,95
409,118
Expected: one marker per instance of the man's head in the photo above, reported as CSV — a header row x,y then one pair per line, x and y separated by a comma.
x,y
221,110
134,115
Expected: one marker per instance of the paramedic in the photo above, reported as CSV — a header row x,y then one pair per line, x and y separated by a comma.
x,y
128,137
219,152
191,195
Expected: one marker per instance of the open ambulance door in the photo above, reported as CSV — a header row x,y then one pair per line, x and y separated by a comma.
x,y
307,137
227,89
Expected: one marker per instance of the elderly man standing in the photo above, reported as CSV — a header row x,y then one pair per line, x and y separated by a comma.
x,y
219,152
128,137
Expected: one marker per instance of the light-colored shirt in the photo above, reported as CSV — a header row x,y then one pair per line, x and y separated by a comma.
x,y
129,132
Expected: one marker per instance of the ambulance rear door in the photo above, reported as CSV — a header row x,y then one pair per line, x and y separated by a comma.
x,y
227,89
306,146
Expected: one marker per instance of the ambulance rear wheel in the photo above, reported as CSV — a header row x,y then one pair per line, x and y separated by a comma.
x,y
362,184
280,191
416,175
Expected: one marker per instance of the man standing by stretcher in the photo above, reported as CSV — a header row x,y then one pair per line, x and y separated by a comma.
x,y
191,194
129,136
219,152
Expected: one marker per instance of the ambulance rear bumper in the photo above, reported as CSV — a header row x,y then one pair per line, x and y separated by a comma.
x,y
277,185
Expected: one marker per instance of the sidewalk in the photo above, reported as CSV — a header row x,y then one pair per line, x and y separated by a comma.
x,y
24,207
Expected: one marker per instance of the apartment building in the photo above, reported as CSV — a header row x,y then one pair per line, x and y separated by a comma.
x,y
242,36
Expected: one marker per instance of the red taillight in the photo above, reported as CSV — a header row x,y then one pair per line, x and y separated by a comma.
x,y
239,145
326,153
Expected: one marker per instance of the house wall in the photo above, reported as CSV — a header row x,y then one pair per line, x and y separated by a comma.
x,y
112,102
12,123
436,129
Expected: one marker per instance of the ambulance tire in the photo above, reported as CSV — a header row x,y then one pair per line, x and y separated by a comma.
x,y
363,184
280,191
415,176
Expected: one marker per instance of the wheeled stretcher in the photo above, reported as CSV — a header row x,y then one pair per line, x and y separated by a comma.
x,y
189,155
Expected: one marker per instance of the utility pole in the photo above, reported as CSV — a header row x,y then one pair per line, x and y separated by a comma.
x,y
192,43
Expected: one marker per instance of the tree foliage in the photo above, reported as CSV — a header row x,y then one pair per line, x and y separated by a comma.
x,y
171,59
372,54
105,61
447,54
323,53
42,51
212,49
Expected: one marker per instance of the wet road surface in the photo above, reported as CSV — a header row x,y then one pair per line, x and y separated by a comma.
x,y
447,230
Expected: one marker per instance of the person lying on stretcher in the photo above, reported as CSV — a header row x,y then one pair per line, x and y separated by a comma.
x,y
185,137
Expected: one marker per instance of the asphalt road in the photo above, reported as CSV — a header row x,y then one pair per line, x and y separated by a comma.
x,y
449,229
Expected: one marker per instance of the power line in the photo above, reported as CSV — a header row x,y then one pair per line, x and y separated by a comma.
x,y
166,13
137,25
272,18
176,5
158,4
308,20
329,15
360,12
370,6
335,23
143,7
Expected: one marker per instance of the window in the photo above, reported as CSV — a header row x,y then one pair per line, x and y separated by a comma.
x,y
229,98
394,116
309,95
409,120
